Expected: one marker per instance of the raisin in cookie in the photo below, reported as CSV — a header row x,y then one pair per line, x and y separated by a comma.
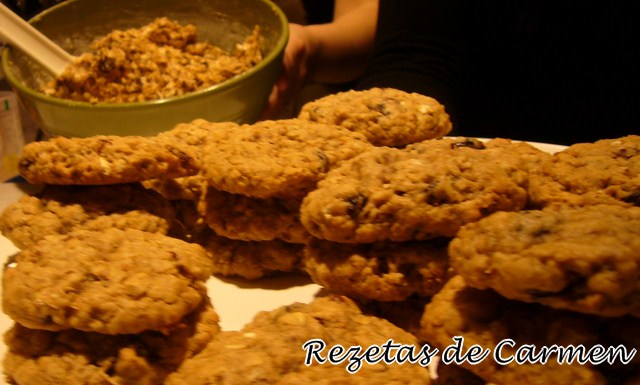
x,y
604,172
103,160
245,218
111,281
386,116
269,350
400,195
41,357
585,259
484,318
283,158
384,271
61,209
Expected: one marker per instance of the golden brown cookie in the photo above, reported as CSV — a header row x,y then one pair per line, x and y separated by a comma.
x,y
386,116
40,357
604,172
482,317
245,218
400,195
281,158
61,209
111,281
252,259
103,160
385,271
269,350
584,259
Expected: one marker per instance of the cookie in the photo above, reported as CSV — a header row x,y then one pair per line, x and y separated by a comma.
x,y
604,172
277,159
400,195
250,259
184,188
518,159
384,271
269,350
386,116
484,318
103,159
192,137
40,357
194,133
62,209
111,281
585,259
245,218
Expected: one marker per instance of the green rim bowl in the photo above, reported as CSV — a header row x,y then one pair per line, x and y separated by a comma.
x,y
73,24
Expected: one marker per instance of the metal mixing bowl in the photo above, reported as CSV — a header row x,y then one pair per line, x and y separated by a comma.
x,y
74,24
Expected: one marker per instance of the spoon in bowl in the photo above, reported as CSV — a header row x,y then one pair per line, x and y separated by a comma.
x,y
22,35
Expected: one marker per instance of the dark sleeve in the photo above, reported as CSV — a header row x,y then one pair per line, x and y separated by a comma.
x,y
319,11
419,48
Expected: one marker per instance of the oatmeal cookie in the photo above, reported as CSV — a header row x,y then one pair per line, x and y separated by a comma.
x,y
604,172
585,259
250,259
277,159
400,195
103,159
111,281
245,218
62,209
517,158
384,271
193,138
41,357
485,318
386,116
268,350
184,188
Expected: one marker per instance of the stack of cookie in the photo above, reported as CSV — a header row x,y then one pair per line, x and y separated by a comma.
x,y
105,306
101,292
269,349
564,273
382,221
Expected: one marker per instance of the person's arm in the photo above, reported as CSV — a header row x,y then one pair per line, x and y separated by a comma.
x,y
338,51
334,52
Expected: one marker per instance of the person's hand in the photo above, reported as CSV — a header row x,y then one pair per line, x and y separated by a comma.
x,y
295,71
